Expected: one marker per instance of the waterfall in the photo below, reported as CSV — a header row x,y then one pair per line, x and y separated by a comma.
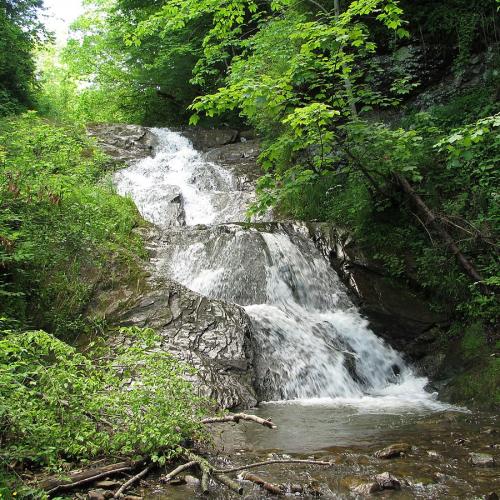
x,y
309,339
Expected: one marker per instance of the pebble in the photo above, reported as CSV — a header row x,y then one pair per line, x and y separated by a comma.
x,y
481,459
434,454
387,481
393,451
108,484
99,494
191,480
490,430
367,488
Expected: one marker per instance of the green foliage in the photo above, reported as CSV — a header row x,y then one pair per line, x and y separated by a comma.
x,y
61,228
58,404
20,33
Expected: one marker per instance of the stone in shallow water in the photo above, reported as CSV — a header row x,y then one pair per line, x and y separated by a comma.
x,y
366,488
393,451
191,480
491,496
387,481
481,459
99,494
108,484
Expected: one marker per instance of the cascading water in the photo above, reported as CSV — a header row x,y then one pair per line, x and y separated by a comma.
x,y
310,341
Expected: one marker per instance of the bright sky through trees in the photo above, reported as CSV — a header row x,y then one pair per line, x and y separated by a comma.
x,y
60,14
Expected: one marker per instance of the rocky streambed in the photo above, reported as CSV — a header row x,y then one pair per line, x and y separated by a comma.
x,y
434,456
261,312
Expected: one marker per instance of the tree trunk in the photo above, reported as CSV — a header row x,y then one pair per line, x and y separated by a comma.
x,y
466,265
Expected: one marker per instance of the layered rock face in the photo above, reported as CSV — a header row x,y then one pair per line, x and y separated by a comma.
x,y
125,143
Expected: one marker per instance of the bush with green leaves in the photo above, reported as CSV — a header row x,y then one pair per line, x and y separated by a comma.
x,y
62,226
58,404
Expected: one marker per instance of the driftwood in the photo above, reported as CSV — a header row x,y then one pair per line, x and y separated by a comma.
x,y
132,480
75,479
168,477
236,417
272,488
208,471
271,462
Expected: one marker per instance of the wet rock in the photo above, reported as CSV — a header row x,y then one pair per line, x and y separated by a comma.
x,y
191,480
296,488
313,488
434,454
212,336
108,484
177,481
393,451
491,496
241,159
205,139
490,430
481,460
99,494
366,488
387,481
124,143
440,477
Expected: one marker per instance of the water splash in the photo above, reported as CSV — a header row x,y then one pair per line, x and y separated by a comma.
x,y
310,342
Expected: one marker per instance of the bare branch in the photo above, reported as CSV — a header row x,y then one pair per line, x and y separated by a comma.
x,y
236,417
132,480
271,462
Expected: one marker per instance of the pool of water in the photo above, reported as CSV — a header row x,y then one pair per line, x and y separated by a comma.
x,y
348,433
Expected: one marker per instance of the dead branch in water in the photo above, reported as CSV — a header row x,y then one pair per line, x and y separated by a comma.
x,y
271,462
236,417
55,484
168,477
272,488
132,480
208,472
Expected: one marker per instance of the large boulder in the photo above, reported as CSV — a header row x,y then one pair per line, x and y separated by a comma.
x,y
241,159
212,336
204,139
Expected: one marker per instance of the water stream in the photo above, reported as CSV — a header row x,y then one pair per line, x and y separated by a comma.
x,y
311,341
318,364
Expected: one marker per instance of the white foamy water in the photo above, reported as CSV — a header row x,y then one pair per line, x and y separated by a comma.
x,y
311,344
177,186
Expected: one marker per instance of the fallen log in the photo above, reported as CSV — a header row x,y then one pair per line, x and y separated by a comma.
x,y
236,417
53,485
272,488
